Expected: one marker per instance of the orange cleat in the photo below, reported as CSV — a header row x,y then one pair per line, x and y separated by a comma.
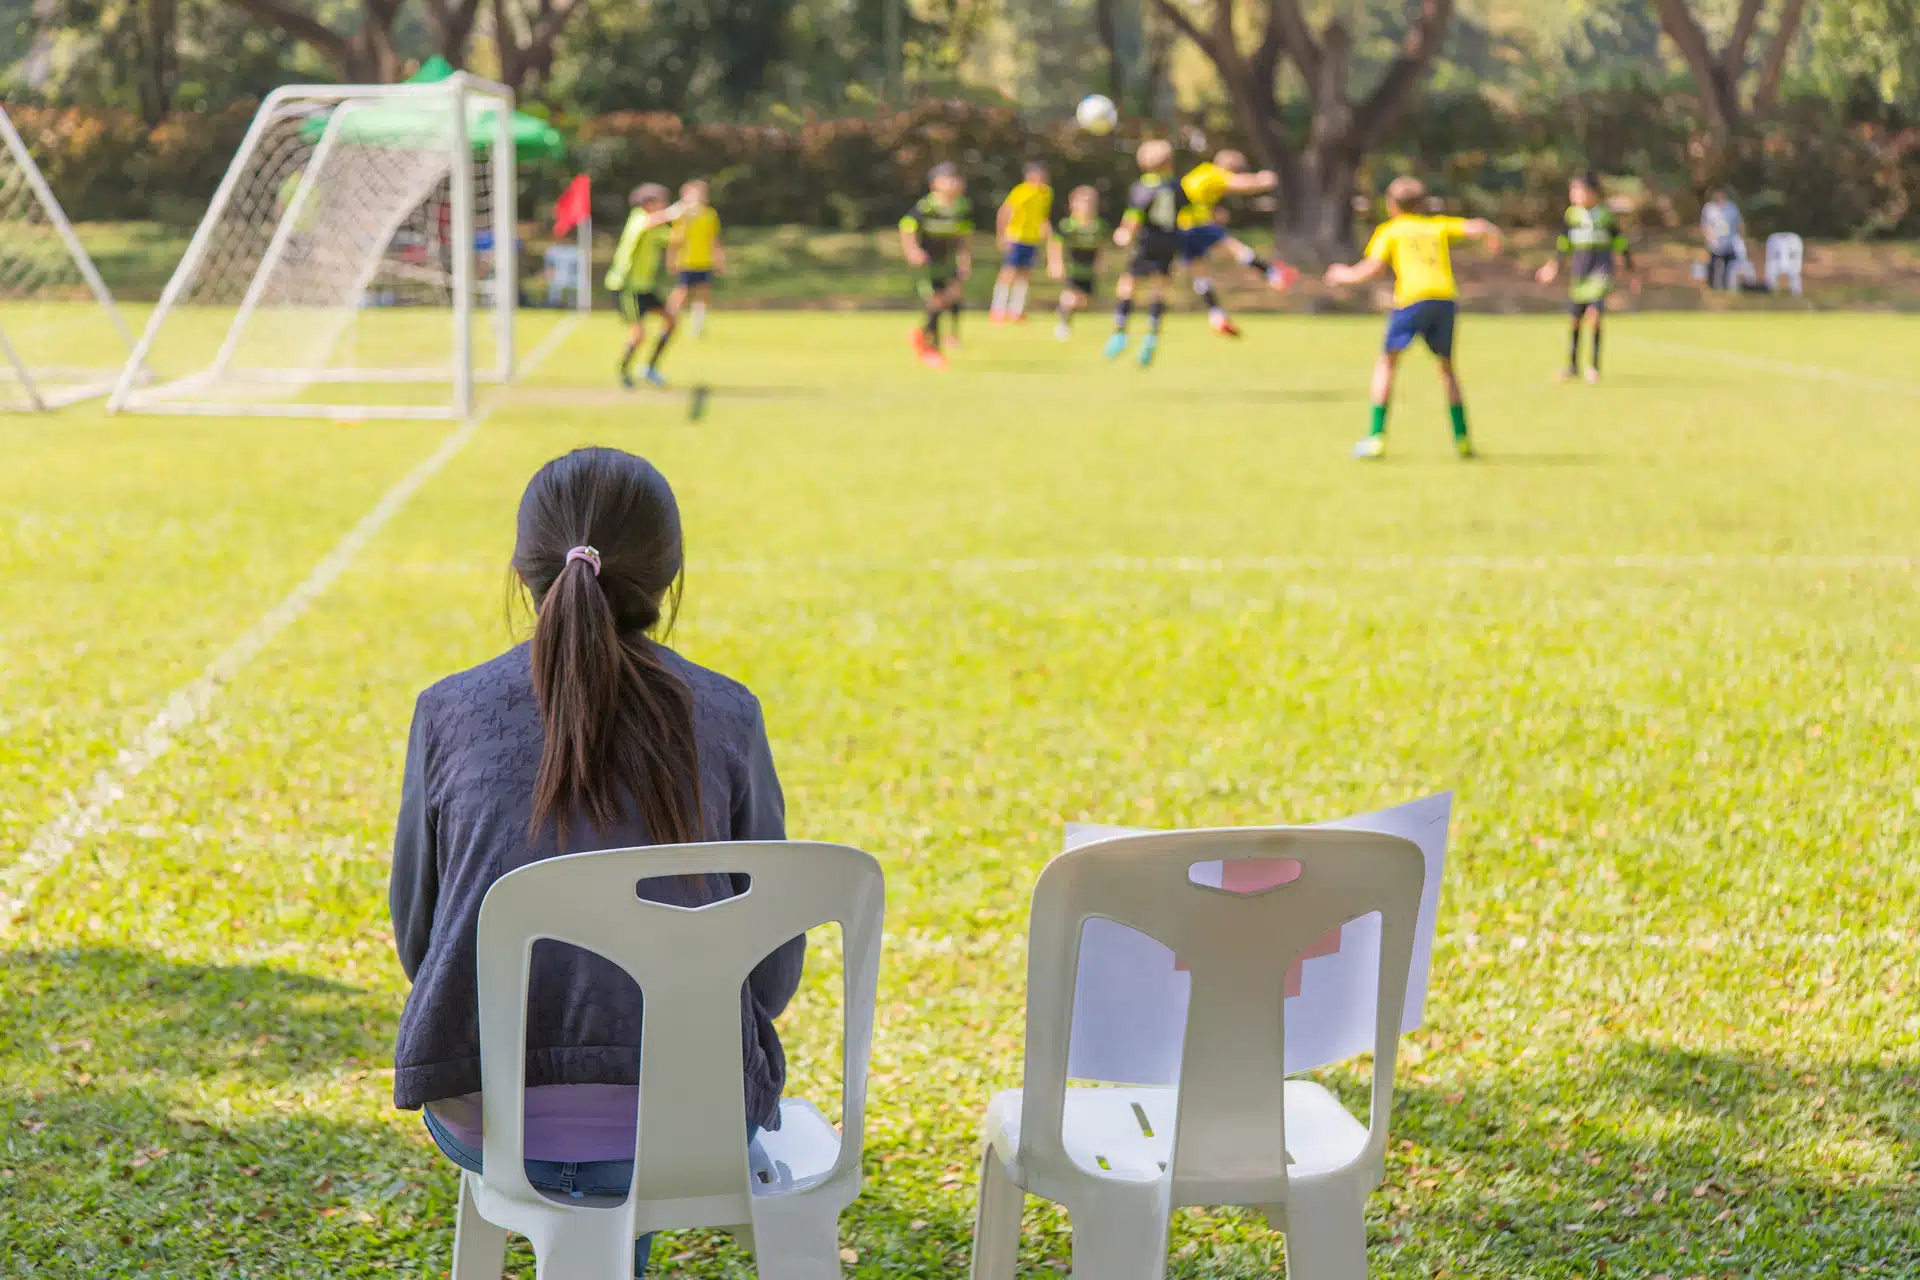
x,y
1223,325
1281,277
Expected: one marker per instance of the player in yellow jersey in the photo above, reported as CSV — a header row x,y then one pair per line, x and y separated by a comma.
x,y
639,263
1416,247
697,253
1202,227
1023,227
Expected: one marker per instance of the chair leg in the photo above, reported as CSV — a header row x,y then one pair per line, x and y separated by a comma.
x,y
479,1247
1120,1233
996,1221
1327,1236
796,1242
570,1253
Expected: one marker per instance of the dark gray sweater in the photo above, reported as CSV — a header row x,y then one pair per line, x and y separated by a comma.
x,y
464,809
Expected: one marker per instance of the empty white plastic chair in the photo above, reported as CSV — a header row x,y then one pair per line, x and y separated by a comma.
x,y
1786,256
691,1167
1233,1131
565,276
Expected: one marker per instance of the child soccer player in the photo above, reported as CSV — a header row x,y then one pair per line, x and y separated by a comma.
x,y
1416,248
1151,226
697,253
1206,185
1022,227
935,238
639,262
1074,255
1591,239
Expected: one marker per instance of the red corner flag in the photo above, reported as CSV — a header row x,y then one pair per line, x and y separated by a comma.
x,y
573,206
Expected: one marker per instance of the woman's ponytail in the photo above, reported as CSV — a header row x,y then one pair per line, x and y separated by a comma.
x,y
599,548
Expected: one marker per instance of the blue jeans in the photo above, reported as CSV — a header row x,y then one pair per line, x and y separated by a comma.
x,y
586,1178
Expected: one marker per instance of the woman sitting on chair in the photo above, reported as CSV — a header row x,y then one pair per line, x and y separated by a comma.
x,y
593,736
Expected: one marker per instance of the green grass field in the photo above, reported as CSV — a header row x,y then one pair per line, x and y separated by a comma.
x,y
1663,641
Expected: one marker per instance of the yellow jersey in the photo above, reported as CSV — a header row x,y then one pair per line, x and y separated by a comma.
x,y
1206,185
1029,209
694,235
1416,248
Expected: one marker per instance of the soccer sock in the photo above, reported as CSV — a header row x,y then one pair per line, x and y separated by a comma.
x,y
1208,295
1457,414
1155,309
1379,424
1017,298
954,311
1573,352
659,345
1596,348
699,318
931,326
999,297
626,357
1064,312
1122,312
1248,258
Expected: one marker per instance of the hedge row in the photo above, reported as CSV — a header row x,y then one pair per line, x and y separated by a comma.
x,y
1802,168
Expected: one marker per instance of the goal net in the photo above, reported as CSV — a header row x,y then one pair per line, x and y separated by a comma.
x,y
61,340
356,261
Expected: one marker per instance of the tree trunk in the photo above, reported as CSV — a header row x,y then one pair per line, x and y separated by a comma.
x,y
1314,222
1104,26
156,26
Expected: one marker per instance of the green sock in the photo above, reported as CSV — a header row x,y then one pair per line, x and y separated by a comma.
x,y
1379,427
1458,414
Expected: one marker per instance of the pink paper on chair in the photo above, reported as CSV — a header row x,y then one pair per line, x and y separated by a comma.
x,y
1251,875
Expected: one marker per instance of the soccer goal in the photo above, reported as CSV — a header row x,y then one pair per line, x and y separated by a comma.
x,y
357,261
61,340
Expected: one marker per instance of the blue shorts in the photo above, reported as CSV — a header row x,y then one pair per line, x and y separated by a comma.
x,y
1430,319
695,277
1020,256
1197,242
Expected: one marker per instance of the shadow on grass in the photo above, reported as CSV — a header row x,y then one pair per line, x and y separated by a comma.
x,y
95,1011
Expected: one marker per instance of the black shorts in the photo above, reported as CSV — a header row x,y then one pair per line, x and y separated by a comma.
x,y
635,303
1153,260
934,279
1081,284
1578,309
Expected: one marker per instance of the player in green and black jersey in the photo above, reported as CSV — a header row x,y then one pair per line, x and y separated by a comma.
x,y
1075,255
1589,246
936,236
1151,228
636,275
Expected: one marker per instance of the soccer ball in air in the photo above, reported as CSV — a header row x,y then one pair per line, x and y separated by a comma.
x,y
1097,114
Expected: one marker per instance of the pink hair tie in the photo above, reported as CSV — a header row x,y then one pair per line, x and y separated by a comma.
x,y
588,554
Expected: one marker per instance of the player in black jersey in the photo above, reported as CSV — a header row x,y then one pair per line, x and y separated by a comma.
x,y
1075,255
936,238
1151,227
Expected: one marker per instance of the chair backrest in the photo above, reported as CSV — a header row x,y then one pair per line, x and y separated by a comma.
x,y
1231,1128
690,964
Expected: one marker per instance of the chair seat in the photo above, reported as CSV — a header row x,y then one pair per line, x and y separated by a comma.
x,y
1126,1134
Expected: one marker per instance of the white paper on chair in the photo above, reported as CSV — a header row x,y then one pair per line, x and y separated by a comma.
x,y
1130,996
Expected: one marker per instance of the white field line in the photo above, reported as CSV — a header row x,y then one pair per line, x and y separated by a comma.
x,y
1785,368
54,842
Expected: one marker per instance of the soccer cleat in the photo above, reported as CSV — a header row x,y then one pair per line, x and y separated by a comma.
x,y
996,316
1463,446
933,358
1148,345
1062,330
626,379
1223,324
1593,375
1115,345
1019,317
1281,277
1569,373
1372,449
652,375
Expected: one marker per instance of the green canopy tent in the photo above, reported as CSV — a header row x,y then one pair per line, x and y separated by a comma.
x,y
398,122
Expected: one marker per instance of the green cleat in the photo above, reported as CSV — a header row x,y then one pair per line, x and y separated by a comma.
x,y
1464,447
1148,345
1372,449
1115,345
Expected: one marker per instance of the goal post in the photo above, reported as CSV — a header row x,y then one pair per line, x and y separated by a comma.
x,y
357,242
61,338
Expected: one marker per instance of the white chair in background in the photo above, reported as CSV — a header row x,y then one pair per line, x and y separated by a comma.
x,y
565,276
691,1167
1786,256
1233,1131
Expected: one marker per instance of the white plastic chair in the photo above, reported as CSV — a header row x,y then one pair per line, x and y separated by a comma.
x,y
1232,1131
1786,256
561,266
691,1168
